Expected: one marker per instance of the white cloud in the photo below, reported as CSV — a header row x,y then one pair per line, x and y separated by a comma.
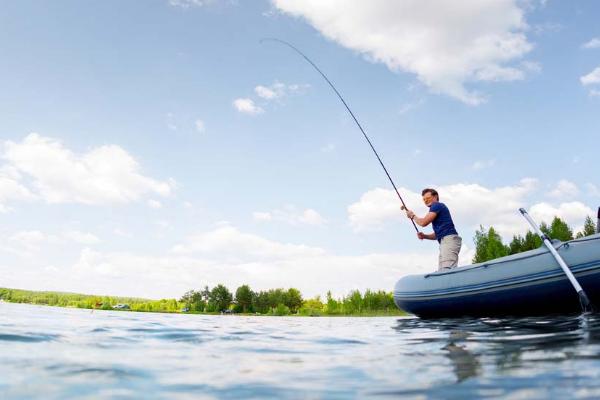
x,y
163,224
28,243
189,3
311,217
478,165
247,106
278,90
546,28
593,190
573,213
565,189
275,92
532,66
11,189
378,206
594,43
84,238
407,107
262,216
154,204
122,233
592,78
290,214
446,44
270,93
225,255
172,276
471,205
200,126
228,243
103,175
594,93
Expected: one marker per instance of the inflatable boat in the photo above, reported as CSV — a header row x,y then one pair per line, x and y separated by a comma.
x,y
528,283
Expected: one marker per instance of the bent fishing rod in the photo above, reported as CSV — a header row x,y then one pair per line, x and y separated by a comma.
x,y
349,110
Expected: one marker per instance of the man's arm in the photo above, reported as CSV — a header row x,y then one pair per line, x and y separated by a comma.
x,y
428,236
426,220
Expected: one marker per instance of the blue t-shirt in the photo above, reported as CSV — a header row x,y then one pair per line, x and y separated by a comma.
x,y
442,224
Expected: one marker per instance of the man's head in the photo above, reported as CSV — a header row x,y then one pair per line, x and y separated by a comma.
x,y
430,196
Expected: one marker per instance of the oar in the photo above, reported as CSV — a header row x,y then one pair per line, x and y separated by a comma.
x,y
583,299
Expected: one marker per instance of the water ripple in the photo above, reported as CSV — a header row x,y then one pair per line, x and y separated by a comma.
x,y
109,355
27,337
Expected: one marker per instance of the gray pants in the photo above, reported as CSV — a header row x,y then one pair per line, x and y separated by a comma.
x,y
449,249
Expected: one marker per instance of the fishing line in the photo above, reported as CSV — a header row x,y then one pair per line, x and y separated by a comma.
x,y
349,110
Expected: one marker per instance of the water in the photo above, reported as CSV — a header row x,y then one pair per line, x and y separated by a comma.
x,y
57,353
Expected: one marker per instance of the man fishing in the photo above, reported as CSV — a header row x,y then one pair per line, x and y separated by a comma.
x,y
439,214
443,228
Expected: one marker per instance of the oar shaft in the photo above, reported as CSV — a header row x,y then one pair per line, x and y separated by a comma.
x,y
585,303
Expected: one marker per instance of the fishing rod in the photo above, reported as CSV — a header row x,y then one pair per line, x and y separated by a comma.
x,y
349,110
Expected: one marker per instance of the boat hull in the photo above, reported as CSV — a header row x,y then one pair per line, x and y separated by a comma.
x,y
529,283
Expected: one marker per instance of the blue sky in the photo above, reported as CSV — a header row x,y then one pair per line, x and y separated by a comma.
x,y
152,147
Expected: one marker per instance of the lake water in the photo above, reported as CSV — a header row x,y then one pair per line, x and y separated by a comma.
x,y
58,353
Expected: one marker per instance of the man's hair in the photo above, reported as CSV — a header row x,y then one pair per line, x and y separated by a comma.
x,y
432,191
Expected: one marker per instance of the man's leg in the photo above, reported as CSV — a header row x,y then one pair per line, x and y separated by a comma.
x,y
449,249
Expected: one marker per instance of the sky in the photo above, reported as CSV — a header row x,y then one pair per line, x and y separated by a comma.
x,y
152,147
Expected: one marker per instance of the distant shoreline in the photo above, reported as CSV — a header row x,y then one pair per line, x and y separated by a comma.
x,y
163,306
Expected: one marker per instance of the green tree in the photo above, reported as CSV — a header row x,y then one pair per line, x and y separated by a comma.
x,y
260,302
516,245
560,230
206,293
312,307
193,300
220,298
333,306
106,304
353,302
589,228
488,245
293,299
280,310
243,297
276,297
187,297
532,241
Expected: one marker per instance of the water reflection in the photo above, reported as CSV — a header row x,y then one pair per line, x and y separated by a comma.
x,y
465,363
508,344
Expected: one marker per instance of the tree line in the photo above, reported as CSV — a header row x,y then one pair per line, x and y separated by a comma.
x,y
76,300
489,245
286,302
220,299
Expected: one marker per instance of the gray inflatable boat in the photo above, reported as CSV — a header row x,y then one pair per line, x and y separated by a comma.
x,y
529,283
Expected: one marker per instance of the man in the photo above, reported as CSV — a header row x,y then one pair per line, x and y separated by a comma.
x,y
443,228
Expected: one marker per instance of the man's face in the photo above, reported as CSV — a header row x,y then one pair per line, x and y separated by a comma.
x,y
428,198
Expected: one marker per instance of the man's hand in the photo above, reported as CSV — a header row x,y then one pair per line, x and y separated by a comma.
x,y
421,235
410,214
